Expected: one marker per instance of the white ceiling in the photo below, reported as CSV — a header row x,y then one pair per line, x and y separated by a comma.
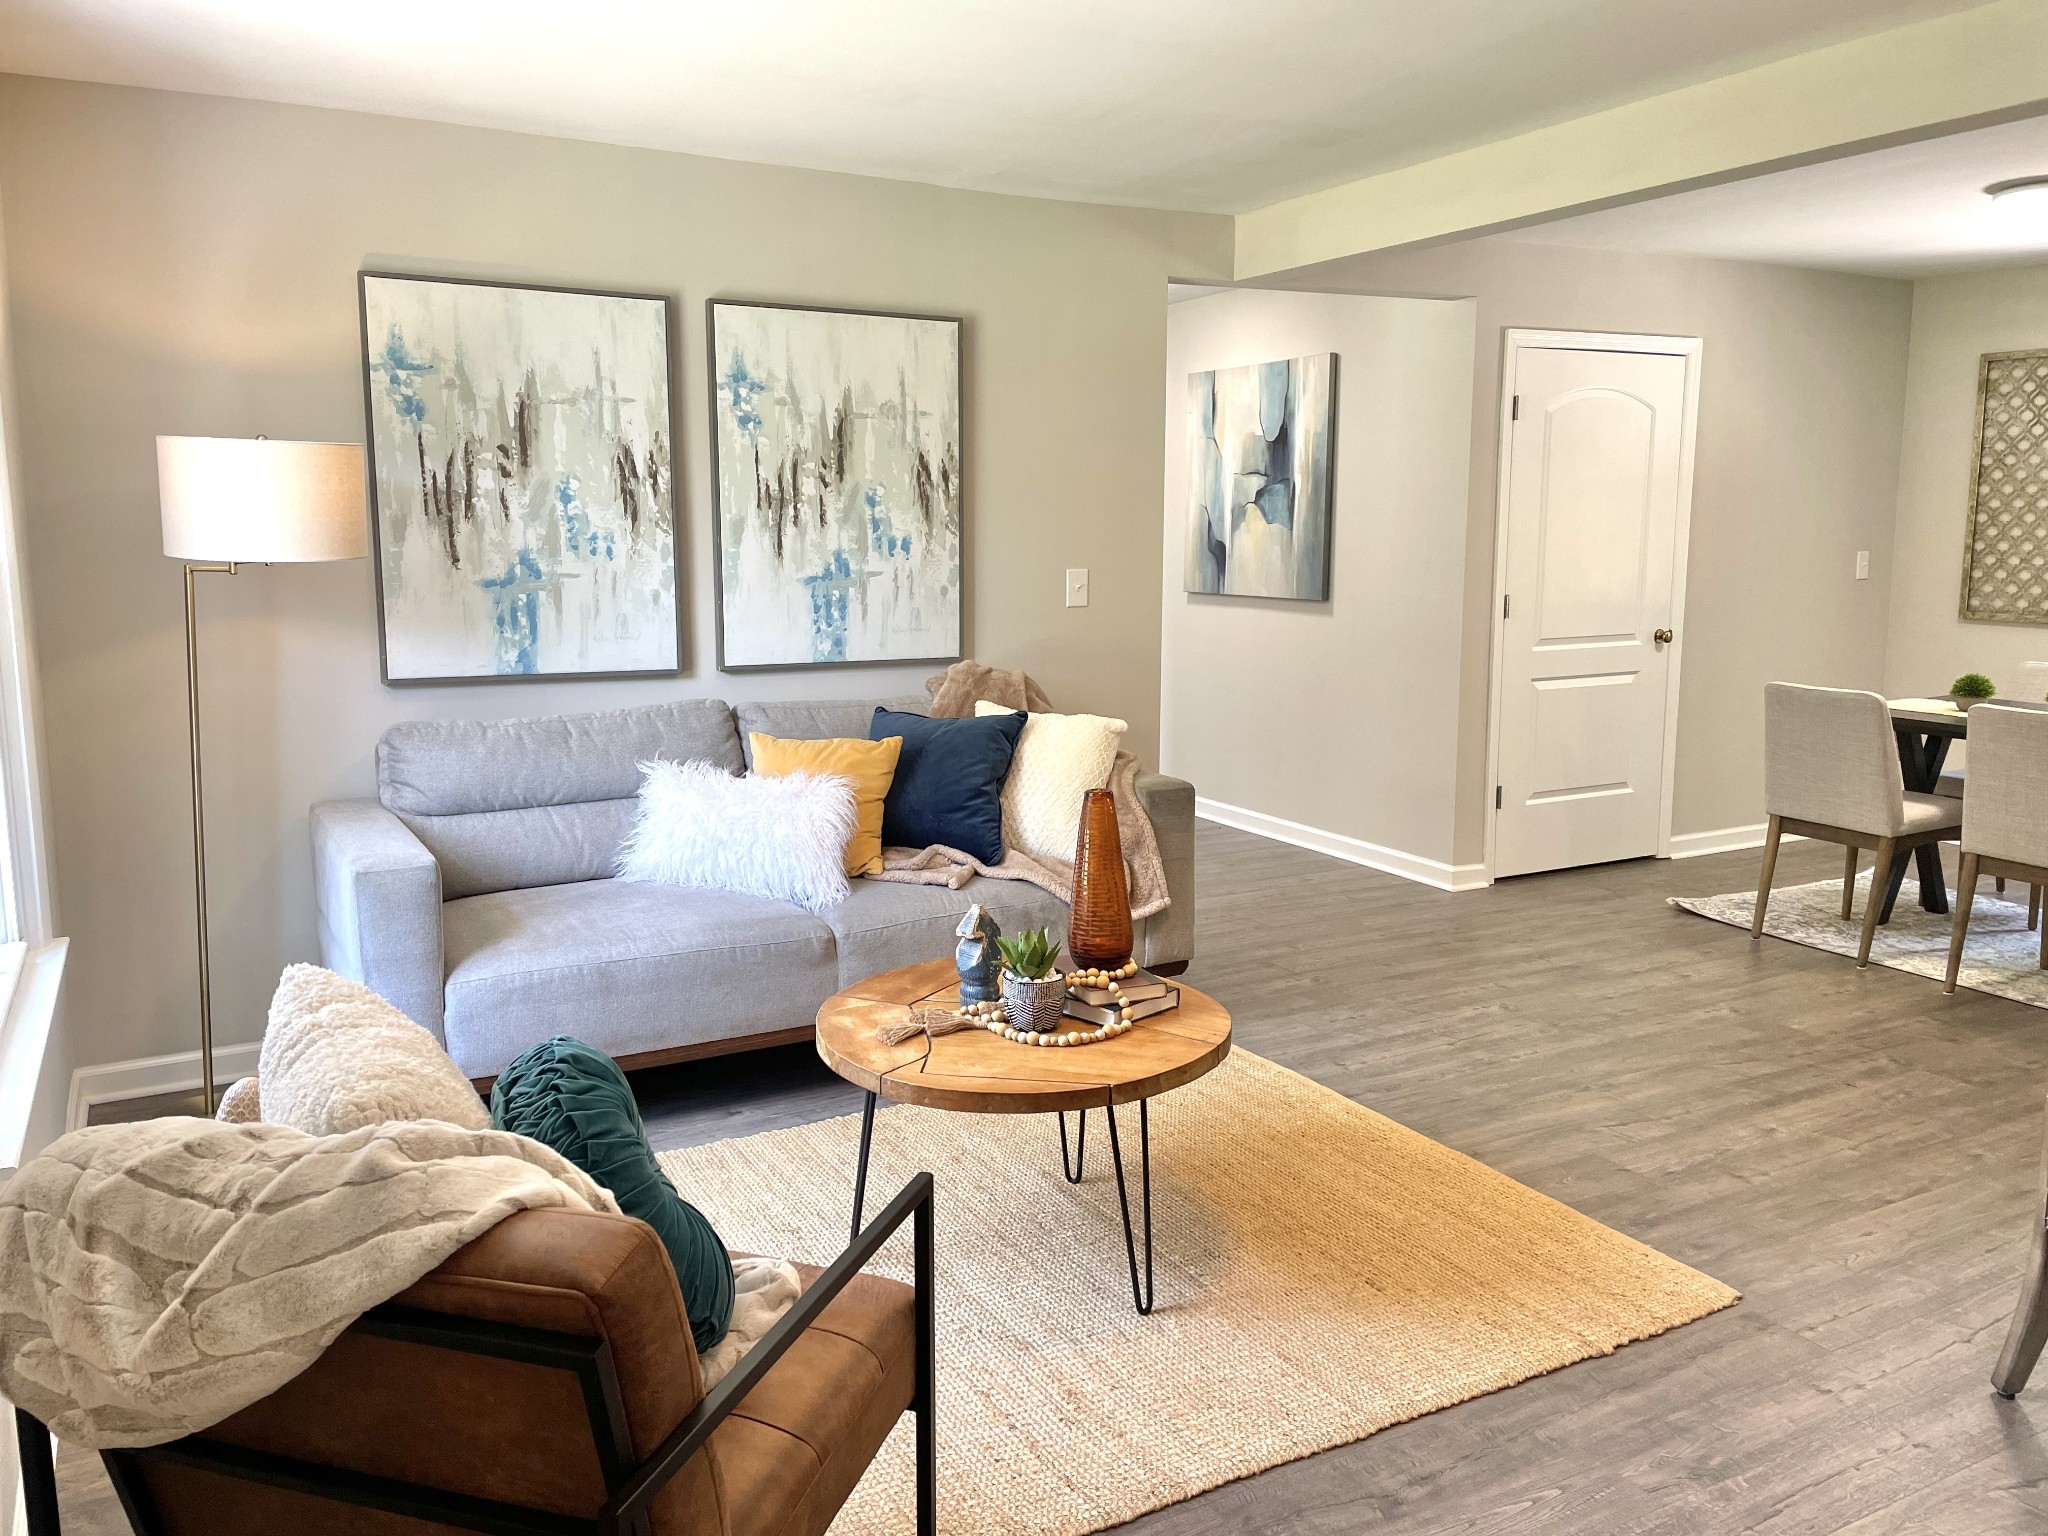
x,y
1221,105
1912,211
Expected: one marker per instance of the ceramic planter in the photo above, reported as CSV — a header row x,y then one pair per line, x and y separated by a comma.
x,y
1036,1007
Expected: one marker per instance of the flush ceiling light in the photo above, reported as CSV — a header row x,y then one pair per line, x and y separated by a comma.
x,y
2029,192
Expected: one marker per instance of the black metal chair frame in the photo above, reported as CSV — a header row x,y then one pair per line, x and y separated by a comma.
x,y
630,1490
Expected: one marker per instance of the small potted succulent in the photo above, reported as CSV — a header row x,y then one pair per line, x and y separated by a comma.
x,y
1971,688
1034,994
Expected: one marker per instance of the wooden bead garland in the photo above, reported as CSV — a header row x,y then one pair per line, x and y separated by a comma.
x,y
991,1016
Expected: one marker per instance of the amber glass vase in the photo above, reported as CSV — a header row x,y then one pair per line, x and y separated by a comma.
x,y
1100,930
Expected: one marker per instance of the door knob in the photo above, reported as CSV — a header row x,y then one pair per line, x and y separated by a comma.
x,y
1662,636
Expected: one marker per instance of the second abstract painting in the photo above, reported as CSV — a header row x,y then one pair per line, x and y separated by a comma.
x,y
837,437
1262,441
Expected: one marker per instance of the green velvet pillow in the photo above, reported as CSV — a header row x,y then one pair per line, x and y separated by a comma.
x,y
573,1098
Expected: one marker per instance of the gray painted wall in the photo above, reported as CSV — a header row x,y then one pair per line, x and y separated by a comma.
x,y
1801,397
186,264
1955,321
1340,715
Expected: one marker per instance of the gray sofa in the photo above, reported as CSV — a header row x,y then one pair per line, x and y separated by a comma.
x,y
474,892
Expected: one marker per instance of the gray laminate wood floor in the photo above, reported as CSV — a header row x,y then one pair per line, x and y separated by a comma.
x,y
1855,1151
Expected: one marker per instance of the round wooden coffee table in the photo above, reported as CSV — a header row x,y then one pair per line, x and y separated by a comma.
x,y
976,1072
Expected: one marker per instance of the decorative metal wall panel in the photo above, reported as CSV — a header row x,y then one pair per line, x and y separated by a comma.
x,y
2005,552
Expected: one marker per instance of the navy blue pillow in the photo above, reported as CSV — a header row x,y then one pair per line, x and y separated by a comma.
x,y
949,781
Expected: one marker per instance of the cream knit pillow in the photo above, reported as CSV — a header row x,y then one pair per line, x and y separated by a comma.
x,y
1059,759
336,1057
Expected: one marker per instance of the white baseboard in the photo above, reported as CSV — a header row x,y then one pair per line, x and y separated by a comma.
x,y
1690,845
146,1075
1392,861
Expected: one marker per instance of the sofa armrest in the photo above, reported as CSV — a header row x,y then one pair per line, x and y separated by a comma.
x,y
378,895
1169,937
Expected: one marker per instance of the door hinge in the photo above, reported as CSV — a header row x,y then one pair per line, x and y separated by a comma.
x,y
1504,605
1515,409
1496,797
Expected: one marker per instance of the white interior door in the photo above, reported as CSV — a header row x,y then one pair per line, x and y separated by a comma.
x,y
1595,480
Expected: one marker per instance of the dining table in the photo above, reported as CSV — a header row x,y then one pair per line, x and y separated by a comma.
x,y
1924,728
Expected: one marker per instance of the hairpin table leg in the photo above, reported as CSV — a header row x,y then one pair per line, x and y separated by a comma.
x,y
1072,1167
1142,1298
860,1176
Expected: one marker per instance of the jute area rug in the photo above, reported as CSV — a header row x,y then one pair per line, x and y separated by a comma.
x,y
2000,956
1322,1273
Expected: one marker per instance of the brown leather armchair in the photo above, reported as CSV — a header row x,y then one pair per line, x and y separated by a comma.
x,y
542,1382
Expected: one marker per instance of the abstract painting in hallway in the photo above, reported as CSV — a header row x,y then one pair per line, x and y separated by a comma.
x,y
837,441
1262,440
521,444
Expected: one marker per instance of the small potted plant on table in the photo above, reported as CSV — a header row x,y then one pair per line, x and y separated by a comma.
x,y
1034,994
1971,688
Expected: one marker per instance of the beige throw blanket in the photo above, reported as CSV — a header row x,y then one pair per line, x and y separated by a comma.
x,y
964,684
156,1278
954,693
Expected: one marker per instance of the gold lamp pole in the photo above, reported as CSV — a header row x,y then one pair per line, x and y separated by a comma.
x,y
192,569
229,502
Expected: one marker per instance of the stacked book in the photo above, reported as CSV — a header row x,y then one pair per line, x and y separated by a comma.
x,y
1142,992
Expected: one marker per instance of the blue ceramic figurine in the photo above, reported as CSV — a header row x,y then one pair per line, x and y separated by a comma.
x,y
976,958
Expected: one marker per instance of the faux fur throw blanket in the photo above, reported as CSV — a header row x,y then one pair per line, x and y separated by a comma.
x,y
157,1277
954,692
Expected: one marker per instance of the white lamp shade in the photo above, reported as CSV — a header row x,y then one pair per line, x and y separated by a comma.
x,y
248,498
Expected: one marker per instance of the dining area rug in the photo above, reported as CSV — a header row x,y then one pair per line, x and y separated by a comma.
x,y
1322,1273
2001,956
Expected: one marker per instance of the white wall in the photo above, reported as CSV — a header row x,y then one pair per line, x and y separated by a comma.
x,y
186,264
1343,715
1802,387
1955,321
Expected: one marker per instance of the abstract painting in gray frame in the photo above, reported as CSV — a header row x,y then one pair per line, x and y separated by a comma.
x,y
521,444
1261,444
837,438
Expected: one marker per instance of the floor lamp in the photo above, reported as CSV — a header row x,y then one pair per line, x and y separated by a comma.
x,y
234,501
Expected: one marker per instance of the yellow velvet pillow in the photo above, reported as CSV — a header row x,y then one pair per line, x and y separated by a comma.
x,y
871,765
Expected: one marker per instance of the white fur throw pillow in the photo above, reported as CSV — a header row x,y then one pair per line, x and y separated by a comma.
x,y
337,1057
1059,759
782,836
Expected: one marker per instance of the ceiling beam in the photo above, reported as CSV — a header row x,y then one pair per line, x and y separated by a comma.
x,y
1963,70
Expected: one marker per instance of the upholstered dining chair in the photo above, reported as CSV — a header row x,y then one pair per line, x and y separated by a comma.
x,y
2005,813
2028,681
1831,771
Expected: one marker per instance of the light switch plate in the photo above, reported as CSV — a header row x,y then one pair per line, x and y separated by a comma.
x,y
1077,587
1862,565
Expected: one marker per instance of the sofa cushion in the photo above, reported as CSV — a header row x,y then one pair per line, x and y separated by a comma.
x,y
452,767
541,845
883,925
629,968
815,719
508,803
